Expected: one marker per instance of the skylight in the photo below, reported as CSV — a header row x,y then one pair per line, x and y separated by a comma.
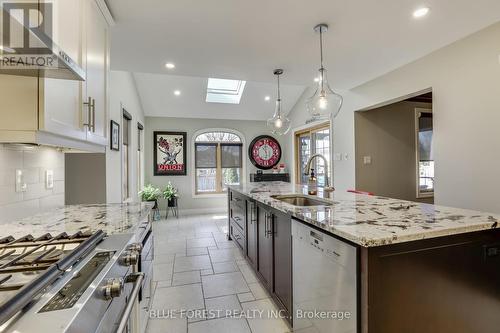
x,y
224,91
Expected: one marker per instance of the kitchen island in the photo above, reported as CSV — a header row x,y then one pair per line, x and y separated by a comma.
x,y
416,266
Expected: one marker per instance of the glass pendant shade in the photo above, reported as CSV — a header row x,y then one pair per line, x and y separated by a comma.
x,y
279,124
325,102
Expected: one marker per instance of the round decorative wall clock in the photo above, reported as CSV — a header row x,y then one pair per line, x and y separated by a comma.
x,y
264,152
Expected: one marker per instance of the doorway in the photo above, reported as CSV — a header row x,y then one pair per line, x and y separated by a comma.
x,y
393,149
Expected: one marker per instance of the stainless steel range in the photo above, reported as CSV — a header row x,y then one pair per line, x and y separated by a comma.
x,y
71,283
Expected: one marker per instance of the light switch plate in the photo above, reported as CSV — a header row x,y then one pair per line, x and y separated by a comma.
x,y
49,179
367,160
21,186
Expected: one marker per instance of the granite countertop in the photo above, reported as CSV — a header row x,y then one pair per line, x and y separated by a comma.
x,y
111,218
371,220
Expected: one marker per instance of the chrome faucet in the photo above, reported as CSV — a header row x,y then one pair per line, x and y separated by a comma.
x,y
307,172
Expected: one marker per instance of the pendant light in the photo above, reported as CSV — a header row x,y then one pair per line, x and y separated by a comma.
x,y
325,103
279,124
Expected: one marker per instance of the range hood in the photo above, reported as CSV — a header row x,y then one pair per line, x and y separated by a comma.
x,y
47,59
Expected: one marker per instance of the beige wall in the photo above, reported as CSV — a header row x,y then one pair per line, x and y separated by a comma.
x,y
465,81
34,162
387,136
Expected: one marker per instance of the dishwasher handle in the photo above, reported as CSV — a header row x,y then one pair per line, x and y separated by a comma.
x,y
136,279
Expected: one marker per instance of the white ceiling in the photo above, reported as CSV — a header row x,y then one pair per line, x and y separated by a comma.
x,y
158,99
241,39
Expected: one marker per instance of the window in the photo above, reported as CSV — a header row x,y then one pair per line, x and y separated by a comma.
x,y
218,161
308,142
425,159
140,129
126,155
224,91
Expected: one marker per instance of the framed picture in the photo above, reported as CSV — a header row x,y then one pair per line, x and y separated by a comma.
x,y
115,135
169,153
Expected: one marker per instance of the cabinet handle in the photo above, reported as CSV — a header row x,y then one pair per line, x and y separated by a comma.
x,y
92,106
265,225
89,113
271,222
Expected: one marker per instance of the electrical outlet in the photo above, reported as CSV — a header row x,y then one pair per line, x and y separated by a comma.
x,y
49,179
21,186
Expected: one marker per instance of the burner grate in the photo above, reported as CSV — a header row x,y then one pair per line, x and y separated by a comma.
x,y
45,258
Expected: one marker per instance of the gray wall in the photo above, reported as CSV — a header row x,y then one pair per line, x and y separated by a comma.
x,y
464,77
387,135
123,94
187,202
85,178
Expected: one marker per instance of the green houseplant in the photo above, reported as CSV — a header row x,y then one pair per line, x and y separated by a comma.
x,y
150,193
170,193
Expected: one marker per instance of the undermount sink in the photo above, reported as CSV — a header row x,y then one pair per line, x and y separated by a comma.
x,y
302,200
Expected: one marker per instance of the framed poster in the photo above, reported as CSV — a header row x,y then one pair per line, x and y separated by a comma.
x,y
169,153
115,136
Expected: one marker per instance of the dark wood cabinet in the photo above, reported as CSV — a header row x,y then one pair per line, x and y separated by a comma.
x,y
265,246
282,236
265,238
251,221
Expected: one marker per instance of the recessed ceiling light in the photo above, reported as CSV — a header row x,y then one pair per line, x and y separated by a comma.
x,y
421,12
169,65
267,98
177,92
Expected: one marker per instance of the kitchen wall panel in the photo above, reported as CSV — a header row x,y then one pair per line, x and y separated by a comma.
x,y
34,161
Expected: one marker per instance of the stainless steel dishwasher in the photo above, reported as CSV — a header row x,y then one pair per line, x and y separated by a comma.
x,y
324,282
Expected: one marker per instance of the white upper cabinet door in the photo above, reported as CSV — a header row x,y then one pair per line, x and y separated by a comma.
x,y
60,101
97,66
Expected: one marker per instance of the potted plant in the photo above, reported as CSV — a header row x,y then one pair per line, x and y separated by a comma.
x,y
170,193
150,193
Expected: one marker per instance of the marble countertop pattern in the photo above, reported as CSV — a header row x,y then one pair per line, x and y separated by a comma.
x,y
111,218
371,220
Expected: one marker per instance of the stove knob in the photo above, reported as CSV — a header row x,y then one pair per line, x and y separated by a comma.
x,y
137,247
130,258
113,288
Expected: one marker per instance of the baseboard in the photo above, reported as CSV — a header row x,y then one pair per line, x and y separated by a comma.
x,y
199,211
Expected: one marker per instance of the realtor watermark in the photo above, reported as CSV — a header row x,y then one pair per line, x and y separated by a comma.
x,y
202,314
26,32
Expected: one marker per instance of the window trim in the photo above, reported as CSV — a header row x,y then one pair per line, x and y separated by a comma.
x,y
194,193
420,195
310,129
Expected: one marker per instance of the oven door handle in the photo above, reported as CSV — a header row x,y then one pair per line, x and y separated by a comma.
x,y
136,279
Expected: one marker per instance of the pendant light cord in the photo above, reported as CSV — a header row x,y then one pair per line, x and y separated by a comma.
x,y
279,95
321,46
322,69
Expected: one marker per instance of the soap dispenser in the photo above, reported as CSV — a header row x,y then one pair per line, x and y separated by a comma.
x,y
312,184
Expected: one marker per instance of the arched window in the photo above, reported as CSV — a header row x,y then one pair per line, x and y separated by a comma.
x,y
218,157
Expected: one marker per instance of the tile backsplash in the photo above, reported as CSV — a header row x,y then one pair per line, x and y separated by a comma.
x,y
34,161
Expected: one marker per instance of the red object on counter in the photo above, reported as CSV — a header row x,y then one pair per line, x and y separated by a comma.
x,y
360,192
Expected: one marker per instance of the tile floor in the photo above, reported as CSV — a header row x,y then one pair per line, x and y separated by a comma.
x,y
198,271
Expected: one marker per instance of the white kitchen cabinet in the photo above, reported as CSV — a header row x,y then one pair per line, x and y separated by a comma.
x,y
95,88
45,109
61,100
